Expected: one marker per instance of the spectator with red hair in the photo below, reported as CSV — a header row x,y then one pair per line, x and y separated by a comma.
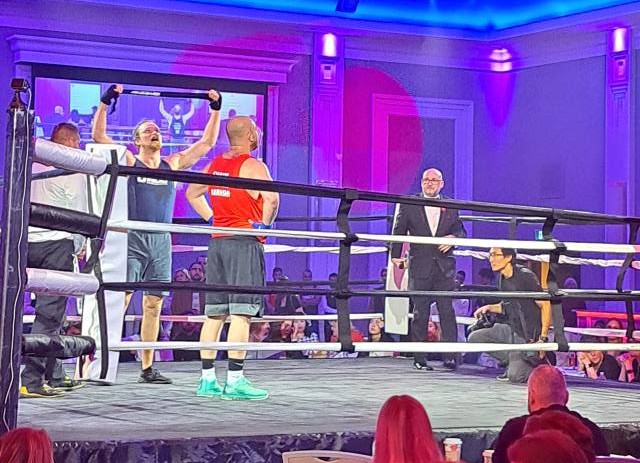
x,y
548,447
26,445
403,433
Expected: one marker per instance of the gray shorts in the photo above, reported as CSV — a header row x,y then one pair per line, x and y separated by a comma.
x,y
149,259
237,261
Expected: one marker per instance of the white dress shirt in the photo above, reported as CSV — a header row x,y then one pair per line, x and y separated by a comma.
x,y
68,192
433,217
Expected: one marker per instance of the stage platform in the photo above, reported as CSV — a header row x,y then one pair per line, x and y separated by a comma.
x,y
328,404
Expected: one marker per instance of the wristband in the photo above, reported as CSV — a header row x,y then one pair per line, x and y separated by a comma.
x,y
216,105
260,226
110,96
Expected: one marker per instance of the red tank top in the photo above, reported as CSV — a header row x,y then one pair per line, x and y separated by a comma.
x,y
232,207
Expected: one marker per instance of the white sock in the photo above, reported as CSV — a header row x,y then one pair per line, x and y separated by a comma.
x,y
209,373
234,376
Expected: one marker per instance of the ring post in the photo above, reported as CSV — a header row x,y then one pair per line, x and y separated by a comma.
x,y
344,265
626,265
557,318
13,251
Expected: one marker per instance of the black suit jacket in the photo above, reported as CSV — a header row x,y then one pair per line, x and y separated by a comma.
x,y
412,220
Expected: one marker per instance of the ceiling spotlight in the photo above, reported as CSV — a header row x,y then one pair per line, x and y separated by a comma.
x,y
347,6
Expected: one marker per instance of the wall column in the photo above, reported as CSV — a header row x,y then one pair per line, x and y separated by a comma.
x,y
325,164
619,162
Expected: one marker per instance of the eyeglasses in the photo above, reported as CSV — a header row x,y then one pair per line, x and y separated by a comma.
x,y
495,254
431,180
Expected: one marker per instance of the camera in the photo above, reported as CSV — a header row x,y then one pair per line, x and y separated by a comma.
x,y
481,323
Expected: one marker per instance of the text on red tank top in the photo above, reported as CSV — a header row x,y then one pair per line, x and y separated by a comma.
x,y
232,207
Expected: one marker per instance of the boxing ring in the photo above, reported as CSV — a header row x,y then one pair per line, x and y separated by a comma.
x,y
317,403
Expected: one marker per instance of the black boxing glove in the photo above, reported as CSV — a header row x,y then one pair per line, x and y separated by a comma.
x,y
110,96
216,105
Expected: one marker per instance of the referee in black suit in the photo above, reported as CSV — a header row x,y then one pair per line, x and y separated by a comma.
x,y
431,267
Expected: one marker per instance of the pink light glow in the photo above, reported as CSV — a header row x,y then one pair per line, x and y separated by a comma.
x,y
500,60
329,45
619,39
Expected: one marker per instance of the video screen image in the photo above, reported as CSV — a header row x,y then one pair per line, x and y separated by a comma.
x,y
181,120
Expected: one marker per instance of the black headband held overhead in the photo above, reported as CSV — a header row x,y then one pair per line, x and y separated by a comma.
x,y
110,96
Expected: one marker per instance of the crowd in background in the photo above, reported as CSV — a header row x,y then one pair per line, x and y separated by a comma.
x,y
615,364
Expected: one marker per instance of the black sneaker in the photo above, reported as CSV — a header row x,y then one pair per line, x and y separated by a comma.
x,y
44,392
153,376
422,366
66,384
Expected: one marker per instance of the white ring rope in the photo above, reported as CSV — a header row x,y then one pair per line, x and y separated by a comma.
x,y
601,332
277,248
58,283
485,243
266,318
426,347
480,255
63,157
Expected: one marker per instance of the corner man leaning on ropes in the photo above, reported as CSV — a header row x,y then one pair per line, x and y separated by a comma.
x,y
152,200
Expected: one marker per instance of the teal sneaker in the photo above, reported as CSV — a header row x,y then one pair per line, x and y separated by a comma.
x,y
209,388
243,390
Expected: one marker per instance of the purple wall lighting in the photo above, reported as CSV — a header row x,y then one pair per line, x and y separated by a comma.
x,y
619,43
329,45
498,85
619,40
500,60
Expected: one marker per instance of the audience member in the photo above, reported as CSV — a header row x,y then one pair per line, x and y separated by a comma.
x,y
356,336
26,445
629,366
328,306
486,277
614,324
547,391
461,275
301,332
310,302
569,306
569,425
377,334
597,364
434,334
277,274
259,331
377,303
404,433
547,447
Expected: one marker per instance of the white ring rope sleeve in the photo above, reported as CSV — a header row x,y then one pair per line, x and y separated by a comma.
x,y
58,283
63,157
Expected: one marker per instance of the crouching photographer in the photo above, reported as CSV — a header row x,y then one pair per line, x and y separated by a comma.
x,y
522,320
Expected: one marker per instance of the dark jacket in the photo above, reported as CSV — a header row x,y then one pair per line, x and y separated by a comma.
x,y
513,429
412,220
